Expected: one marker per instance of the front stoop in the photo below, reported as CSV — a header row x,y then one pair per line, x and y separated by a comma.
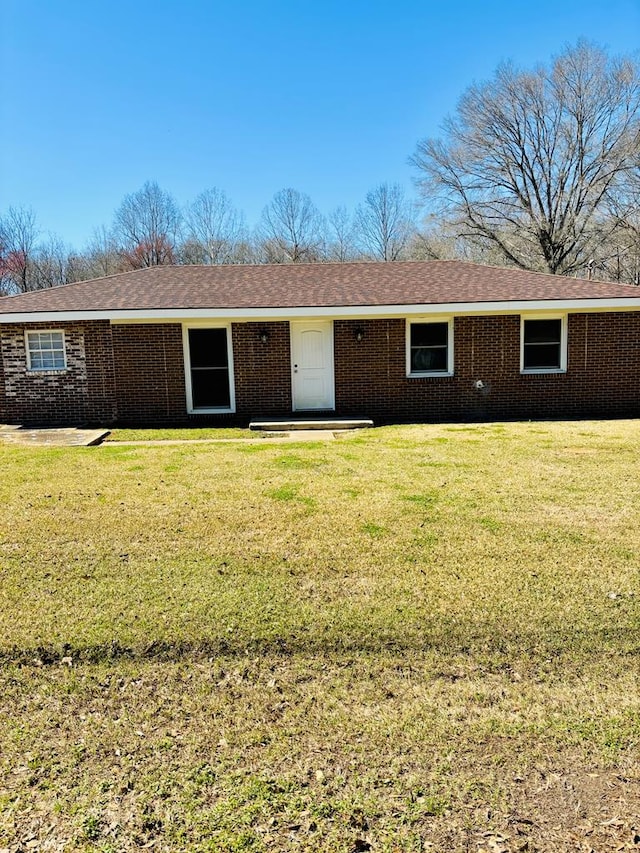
x,y
291,425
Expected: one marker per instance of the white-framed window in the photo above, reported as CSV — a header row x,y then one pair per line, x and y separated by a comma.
x,y
208,363
430,347
543,344
45,350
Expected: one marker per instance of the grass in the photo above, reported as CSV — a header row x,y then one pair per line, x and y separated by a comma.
x,y
414,636
180,434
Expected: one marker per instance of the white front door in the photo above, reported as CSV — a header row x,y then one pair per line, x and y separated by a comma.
x,y
312,365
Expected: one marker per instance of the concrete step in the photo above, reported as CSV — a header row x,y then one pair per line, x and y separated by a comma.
x,y
290,425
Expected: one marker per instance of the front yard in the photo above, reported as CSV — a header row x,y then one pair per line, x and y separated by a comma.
x,y
412,638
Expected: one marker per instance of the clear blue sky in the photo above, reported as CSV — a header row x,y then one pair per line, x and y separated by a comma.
x,y
250,96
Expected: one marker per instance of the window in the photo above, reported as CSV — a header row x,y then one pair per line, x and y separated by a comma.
x,y
208,370
430,348
45,351
543,345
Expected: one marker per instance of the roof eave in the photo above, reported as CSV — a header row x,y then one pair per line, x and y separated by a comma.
x,y
328,311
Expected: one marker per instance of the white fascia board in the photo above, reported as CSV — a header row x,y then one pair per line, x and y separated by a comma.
x,y
330,312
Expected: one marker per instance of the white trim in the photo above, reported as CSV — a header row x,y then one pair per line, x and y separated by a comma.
x,y
450,344
30,369
187,368
327,312
563,343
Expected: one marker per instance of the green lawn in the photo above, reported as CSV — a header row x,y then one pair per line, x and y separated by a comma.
x,y
180,434
416,638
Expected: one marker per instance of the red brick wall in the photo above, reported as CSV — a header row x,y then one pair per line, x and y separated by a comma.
x,y
135,374
150,380
83,393
149,366
262,371
602,378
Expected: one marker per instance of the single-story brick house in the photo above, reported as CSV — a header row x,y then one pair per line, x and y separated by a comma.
x,y
421,341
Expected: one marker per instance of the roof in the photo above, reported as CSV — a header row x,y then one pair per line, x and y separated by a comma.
x,y
277,287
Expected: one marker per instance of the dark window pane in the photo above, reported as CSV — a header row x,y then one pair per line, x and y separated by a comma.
x,y
210,389
424,359
542,331
209,369
208,347
542,356
429,347
429,334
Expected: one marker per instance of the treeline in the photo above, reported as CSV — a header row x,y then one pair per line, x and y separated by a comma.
x,y
537,169
149,228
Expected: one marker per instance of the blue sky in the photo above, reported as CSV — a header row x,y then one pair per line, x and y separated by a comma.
x,y
328,97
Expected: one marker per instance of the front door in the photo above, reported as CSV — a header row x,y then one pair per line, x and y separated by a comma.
x,y
312,365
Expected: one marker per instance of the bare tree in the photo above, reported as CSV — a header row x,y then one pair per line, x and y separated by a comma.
x,y
291,229
431,243
529,159
618,257
340,236
384,223
437,239
77,267
18,238
100,257
214,229
51,263
147,227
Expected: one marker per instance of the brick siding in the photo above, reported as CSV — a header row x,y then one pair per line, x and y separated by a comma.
x,y
149,364
150,378
83,393
602,378
134,374
262,371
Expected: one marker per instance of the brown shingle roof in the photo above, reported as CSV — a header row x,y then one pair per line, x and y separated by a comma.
x,y
309,286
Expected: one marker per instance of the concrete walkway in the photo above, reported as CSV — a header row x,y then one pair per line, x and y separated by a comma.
x,y
62,437
75,437
256,438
